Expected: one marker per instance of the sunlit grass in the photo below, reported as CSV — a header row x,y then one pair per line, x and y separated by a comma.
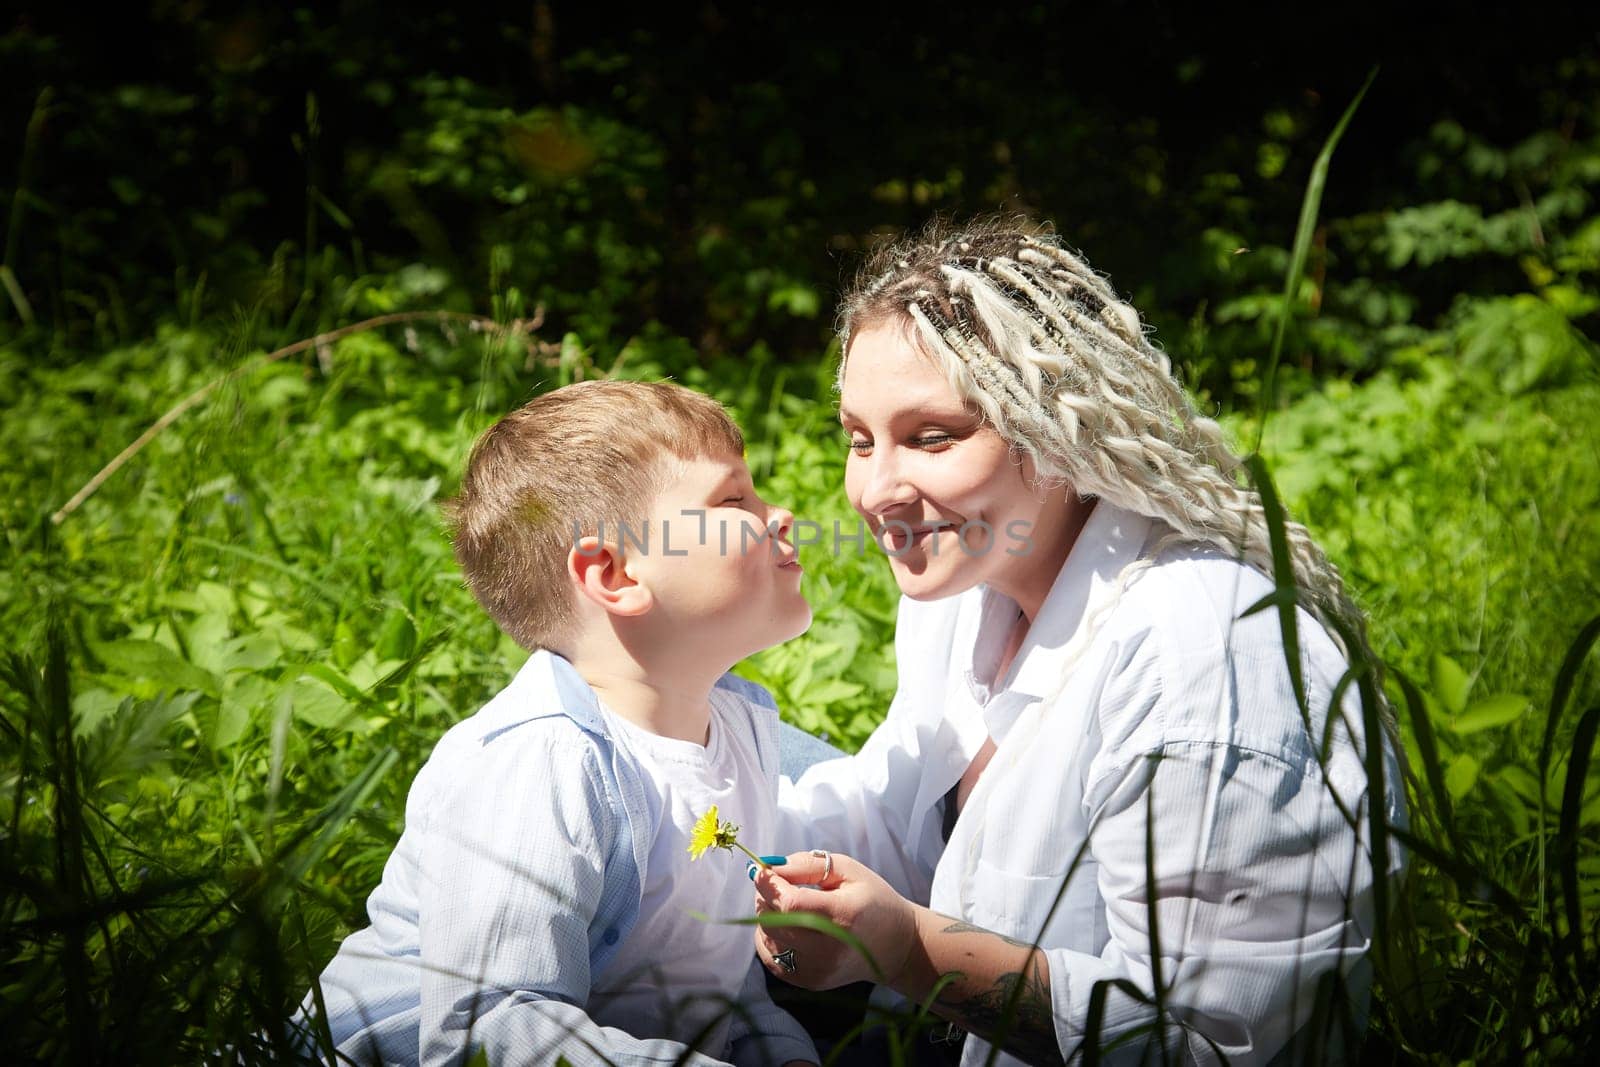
x,y
226,665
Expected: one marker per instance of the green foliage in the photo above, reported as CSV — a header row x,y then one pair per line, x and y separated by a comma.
x,y
264,599
1457,493
1455,488
224,669
550,191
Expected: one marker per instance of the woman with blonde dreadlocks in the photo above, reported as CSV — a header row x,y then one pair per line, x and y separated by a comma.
x,y
1102,810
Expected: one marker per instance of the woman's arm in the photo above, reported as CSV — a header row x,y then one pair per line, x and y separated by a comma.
x,y
866,806
1250,938
882,804
995,986
1000,989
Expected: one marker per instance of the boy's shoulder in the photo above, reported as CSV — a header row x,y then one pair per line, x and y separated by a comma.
x,y
549,698
546,704
538,745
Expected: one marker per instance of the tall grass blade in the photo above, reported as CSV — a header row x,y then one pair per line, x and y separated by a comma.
x,y
807,921
1153,914
1095,1018
19,299
20,195
1471,879
1377,814
1432,769
1285,597
1309,207
1014,998
1567,834
1566,678
72,886
309,845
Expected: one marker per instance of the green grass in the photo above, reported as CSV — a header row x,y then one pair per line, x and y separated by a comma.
x,y
224,668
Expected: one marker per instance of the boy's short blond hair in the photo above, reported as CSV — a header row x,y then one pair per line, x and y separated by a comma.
x,y
559,467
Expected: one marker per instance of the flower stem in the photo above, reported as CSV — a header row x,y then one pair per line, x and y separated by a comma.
x,y
757,860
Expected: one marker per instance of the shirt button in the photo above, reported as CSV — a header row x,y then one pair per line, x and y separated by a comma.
x,y
610,936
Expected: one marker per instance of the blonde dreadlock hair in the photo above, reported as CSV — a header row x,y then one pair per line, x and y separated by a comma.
x,y
1027,332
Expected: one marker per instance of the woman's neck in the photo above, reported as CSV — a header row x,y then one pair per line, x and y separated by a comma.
x,y
1029,580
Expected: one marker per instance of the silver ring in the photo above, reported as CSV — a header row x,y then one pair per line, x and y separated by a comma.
x,y
827,863
785,959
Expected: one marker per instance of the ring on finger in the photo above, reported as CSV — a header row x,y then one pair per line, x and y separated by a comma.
x,y
827,863
785,959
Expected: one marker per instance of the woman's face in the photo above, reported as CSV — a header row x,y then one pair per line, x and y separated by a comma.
x,y
939,488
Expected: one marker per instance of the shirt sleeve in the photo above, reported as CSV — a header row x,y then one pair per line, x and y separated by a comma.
x,y
1229,878
512,868
761,1034
864,806
880,805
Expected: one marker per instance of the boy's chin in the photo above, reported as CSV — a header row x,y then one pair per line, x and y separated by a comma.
x,y
786,629
804,625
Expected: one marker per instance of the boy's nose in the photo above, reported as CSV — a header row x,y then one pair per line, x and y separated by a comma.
x,y
780,521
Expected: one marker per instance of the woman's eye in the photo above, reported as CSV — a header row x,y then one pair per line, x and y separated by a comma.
x,y
932,440
860,446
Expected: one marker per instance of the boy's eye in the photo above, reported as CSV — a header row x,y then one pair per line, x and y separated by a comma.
x,y
734,500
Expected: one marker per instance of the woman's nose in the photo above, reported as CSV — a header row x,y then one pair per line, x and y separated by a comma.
x,y
884,486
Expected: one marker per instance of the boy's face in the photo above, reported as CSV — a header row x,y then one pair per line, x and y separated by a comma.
x,y
724,577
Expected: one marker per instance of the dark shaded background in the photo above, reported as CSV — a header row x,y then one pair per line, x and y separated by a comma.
x,y
710,169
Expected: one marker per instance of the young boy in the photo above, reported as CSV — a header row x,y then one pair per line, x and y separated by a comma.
x,y
542,900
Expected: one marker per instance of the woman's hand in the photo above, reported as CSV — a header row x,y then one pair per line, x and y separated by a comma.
x,y
837,888
994,986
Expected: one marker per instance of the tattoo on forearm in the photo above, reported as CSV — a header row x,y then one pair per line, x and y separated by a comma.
x,y
1014,1013
957,926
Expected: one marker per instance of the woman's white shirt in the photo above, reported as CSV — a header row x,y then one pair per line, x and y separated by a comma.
x,y
1140,700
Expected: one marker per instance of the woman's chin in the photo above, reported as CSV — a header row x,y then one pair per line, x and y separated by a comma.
x,y
924,579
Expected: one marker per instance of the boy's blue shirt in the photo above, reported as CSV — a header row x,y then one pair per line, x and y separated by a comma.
x,y
574,699
526,814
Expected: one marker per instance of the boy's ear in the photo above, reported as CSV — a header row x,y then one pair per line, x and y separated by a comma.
x,y
600,573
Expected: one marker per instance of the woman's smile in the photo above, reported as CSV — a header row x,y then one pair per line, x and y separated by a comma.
x,y
946,498
898,536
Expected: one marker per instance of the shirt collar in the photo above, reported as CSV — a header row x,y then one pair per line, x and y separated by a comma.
x,y
546,685
1111,538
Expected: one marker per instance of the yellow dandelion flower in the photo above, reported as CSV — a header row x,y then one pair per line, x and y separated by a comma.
x,y
709,832
704,833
